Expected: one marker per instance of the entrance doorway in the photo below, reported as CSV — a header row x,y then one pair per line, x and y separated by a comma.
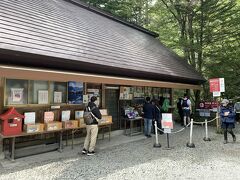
x,y
111,100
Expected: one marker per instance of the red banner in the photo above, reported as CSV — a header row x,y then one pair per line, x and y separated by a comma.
x,y
214,85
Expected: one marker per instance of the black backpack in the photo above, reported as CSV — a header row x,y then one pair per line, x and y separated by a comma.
x,y
184,103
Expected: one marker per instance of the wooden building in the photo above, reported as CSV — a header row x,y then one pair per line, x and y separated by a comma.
x,y
45,44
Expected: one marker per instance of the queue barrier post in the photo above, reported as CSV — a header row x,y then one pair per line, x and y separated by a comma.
x,y
156,144
206,138
190,144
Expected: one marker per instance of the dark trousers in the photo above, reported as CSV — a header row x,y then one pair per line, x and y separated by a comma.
x,y
180,112
228,130
238,117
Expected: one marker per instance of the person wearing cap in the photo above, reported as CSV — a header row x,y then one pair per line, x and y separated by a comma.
x,y
227,116
92,129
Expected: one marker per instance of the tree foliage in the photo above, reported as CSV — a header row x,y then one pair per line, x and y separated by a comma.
x,y
205,32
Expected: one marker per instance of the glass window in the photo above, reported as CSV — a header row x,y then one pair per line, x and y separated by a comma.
x,y
16,91
38,92
58,92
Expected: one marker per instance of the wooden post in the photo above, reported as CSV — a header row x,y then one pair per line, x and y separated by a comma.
x,y
217,116
103,96
2,83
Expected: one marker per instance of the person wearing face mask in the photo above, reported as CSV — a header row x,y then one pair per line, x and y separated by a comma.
x,y
227,116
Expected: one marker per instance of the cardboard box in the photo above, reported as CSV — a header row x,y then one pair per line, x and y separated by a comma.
x,y
51,126
70,124
105,120
32,128
81,122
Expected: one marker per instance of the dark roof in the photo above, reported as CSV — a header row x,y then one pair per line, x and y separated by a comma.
x,y
62,35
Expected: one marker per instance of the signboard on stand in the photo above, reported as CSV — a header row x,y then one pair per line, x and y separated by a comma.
x,y
167,123
217,85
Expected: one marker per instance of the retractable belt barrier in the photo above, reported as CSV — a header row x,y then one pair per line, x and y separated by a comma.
x,y
190,144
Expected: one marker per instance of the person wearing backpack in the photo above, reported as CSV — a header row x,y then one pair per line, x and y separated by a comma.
x,y
91,127
186,106
180,110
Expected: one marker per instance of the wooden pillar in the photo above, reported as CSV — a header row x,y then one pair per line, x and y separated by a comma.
x,y
2,83
103,96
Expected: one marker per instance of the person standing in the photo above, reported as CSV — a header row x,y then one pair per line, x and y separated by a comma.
x,y
180,110
148,110
227,116
186,106
237,111
92,129
158,116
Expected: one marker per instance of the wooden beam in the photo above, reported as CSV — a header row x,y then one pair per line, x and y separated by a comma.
x,y
64,76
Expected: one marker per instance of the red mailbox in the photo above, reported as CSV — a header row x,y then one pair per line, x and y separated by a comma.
x,y
11,122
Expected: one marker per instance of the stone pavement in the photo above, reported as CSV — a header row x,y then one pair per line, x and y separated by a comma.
x,y
135,158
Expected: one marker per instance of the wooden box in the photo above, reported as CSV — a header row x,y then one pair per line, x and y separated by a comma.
x,y
81,122
32,128
70,124
54,125
105,120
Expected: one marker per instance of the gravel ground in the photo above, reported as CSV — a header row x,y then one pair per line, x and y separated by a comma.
x,y
139,160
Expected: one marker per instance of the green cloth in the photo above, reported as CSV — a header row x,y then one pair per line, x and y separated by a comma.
x,y
165,105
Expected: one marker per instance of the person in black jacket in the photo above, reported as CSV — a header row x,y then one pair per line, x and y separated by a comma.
x,y
148,110
180,110
157,116
92,129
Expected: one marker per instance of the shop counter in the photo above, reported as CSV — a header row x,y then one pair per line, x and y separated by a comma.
x,y
12,138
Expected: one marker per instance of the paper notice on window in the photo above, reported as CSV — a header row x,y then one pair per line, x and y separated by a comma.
x,y
57,97
43,97
17,95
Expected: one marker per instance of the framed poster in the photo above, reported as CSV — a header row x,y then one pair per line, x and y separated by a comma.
x,y
75,92
57,97
48,116
66,115
79,114
42,97
29,117
17,95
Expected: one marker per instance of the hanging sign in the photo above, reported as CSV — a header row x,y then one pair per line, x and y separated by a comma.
x,y
216,94
217,85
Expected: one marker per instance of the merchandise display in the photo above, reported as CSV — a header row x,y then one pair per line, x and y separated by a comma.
x,y
81,123
66,115
48,116
54,125
32,128
70,124
103,112
105,120
29,117
78,114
